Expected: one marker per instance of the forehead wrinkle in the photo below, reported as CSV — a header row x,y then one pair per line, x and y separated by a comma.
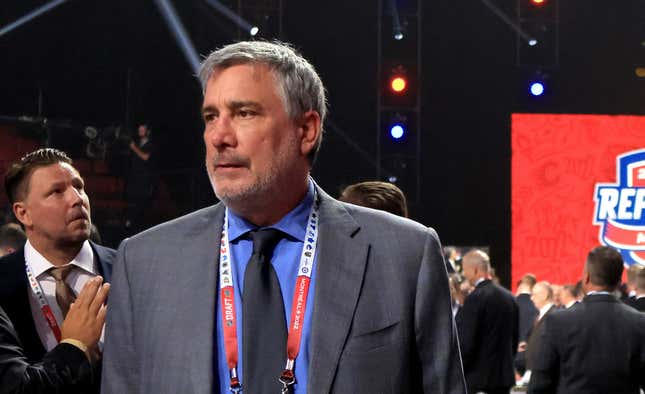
x,y
258,69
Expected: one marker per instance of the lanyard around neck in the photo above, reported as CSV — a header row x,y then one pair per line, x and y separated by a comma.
x,y
298,307
45,309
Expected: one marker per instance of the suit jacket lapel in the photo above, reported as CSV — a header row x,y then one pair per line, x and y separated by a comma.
x,y
339,275
200,274
15,301
105,258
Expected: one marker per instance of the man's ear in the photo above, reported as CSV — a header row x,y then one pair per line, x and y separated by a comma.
x,y
310,129
586,278
22,213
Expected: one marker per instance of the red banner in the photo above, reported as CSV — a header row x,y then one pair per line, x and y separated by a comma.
x,y
556,162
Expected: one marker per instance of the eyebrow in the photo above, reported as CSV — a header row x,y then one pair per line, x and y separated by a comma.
x,y
233,105
56,185
248,103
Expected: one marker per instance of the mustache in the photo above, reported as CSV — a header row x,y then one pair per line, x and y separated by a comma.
x,y
78,214
230,159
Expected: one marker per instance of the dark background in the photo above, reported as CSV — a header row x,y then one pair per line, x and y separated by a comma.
x,y
80,54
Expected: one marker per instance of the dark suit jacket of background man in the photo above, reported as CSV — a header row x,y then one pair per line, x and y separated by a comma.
x,y
379,278
598,346
639,304
14,299
488,334
534,337
524,360
527,315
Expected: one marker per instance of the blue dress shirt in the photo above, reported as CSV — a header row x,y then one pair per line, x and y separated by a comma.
x,y
286,258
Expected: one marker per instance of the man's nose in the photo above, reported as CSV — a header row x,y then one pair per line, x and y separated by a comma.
x,y
220,132
75,195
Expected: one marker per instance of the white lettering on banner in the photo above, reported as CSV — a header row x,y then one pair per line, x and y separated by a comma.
x,y
621,204
228,309
640,238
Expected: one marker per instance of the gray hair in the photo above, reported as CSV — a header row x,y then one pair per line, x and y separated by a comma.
x,y
299,85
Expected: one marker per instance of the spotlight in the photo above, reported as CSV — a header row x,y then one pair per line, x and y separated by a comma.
x,y
397,131
537,2
398,84
398,36
392,179
537,88
254,30
533,42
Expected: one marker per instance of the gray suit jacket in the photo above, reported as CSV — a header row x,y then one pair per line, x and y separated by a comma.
x,y
382,321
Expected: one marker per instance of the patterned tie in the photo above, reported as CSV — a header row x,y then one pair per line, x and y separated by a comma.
x,y
64,293
264,325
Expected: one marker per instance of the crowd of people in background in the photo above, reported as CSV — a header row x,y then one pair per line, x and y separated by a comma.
x,y
536,300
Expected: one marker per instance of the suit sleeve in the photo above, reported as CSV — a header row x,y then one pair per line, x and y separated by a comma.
x,y
545,372
120,371
64,369
436,334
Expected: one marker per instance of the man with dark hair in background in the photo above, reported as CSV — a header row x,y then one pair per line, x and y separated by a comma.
x,y
488,329
598,347
50,289
279,286
383,196
569,295
12,238
527,310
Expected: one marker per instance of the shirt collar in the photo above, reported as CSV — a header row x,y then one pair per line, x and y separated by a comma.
x,y
598,292
570,304
544,310
39,264
479,281
293,223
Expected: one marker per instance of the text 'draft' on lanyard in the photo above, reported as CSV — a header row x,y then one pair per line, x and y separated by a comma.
x,y
298,306
42,302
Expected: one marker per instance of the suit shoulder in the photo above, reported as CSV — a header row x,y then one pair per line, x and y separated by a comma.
x,y
377,220
183,224
104,251
11,263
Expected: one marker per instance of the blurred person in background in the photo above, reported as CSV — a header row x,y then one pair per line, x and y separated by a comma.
x,y
488,329
12,238
569,295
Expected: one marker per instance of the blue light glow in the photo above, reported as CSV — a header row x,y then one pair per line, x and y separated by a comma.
x,y
537,88
397,131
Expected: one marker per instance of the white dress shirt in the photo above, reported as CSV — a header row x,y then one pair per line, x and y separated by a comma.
x,y
86,269
544,310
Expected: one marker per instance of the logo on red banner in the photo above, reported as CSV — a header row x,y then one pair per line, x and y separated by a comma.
x,y
620,208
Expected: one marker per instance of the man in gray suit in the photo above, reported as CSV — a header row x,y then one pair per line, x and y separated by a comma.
x,y
342,299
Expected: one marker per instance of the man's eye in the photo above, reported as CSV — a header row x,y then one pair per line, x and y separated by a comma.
x,y
245,113
209,117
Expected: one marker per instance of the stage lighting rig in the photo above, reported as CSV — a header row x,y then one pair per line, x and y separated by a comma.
x,y
398,95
